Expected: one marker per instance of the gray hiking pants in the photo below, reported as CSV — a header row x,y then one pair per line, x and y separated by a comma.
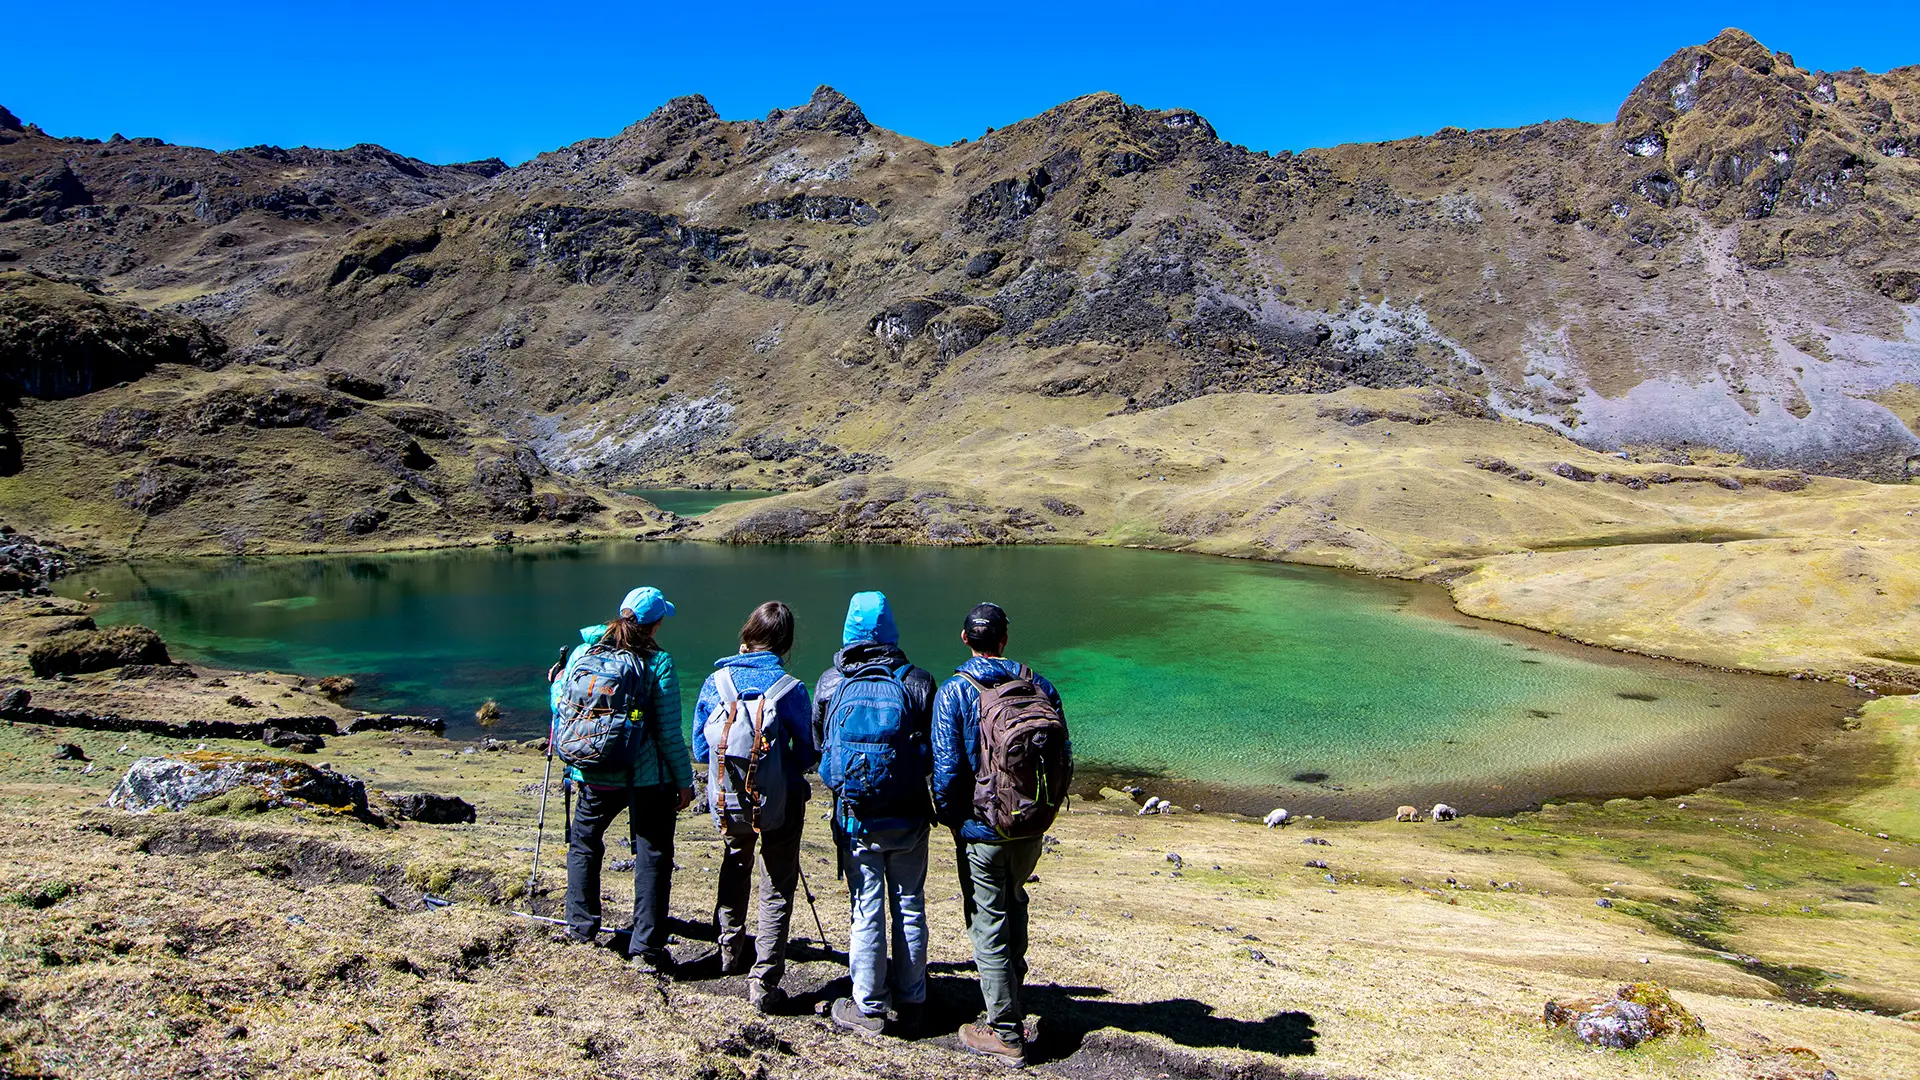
x,y
996,877
887,882
779,876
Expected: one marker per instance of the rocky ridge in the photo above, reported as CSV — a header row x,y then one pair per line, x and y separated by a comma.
x,y
1721,273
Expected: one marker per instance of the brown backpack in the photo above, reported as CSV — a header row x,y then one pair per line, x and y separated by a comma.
x,y
1026,758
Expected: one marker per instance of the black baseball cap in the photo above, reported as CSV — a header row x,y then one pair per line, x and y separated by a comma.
x,y
988,619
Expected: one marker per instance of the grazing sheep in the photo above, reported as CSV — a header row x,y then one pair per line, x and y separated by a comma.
x,y
1278,819
1407,813
1152,805
1443,812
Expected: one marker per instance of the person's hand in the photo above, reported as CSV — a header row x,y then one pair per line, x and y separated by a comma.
x,y
686,799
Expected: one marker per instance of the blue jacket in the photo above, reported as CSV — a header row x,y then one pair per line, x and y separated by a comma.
x,y
956,741
755,671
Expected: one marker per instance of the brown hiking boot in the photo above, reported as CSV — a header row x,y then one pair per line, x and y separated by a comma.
x,y
982,1039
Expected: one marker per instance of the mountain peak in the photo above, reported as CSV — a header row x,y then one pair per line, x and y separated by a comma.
x,y
827,110
685,109
1741,47
9,122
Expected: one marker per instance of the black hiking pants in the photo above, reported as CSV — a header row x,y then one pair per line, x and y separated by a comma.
x,y
654,812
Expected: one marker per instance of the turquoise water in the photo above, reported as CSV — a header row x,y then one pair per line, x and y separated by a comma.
x,y
692,502
1201,674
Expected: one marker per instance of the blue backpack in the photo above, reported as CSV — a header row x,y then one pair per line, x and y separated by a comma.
x,y
597,723
870,761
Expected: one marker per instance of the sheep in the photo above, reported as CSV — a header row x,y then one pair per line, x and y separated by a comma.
x,y
1278,819
1152,805
1407,813
1443,812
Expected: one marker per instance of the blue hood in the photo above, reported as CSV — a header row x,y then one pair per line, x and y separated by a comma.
x,y
869,618
591,635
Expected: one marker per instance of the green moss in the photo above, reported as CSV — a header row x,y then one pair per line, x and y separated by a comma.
x,y
237,802
40,895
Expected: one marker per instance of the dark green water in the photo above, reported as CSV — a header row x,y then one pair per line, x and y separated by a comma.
x,y
692,502
1209,674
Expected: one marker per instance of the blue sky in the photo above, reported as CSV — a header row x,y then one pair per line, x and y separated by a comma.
x,y
450,82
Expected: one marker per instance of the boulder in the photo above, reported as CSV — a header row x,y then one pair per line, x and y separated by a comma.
x,y
395,722
78,651
1633,1015
179,781
336,687
430,809
276,739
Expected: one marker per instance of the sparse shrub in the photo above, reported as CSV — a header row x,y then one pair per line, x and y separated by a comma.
x,y
431,877
487,714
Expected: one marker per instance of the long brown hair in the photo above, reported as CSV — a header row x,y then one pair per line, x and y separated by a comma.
x,y
626,634
770,627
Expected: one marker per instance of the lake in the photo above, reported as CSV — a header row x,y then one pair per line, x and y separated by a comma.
x,y
1238,684
692,502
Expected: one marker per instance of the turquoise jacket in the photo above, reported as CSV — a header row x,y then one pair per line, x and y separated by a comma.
x,y
663,758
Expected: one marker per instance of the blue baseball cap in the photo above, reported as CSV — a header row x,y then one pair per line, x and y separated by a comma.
x,y
869,618
647,605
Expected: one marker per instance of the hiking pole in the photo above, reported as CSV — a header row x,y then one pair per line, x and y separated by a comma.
x,y
540,827
546,782
808,890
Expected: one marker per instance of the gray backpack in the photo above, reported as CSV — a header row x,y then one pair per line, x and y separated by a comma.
x,y
746,770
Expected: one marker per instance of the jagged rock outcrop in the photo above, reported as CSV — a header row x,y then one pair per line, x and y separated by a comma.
x,y
77,652
61,340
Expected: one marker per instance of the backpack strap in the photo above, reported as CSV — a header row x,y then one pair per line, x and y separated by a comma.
x,y
779,688
723,685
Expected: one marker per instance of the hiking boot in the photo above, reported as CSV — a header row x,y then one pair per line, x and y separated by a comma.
x,y
766,1001
655,963
736,964
981,1039
848,1015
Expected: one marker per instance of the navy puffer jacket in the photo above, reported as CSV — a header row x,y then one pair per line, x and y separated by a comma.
x,y
956,741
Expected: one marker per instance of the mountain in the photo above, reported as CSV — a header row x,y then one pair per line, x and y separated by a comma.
x,y
1724,265
1724,272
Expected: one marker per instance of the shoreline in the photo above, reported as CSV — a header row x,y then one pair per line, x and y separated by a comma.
x,y
1805,730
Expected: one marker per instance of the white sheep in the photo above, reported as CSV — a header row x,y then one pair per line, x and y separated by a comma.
x,y
1152,805
1443,812
1278,819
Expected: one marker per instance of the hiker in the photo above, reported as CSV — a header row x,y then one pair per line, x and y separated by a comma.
x,y
617,726
1002,764
752,728
871,713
